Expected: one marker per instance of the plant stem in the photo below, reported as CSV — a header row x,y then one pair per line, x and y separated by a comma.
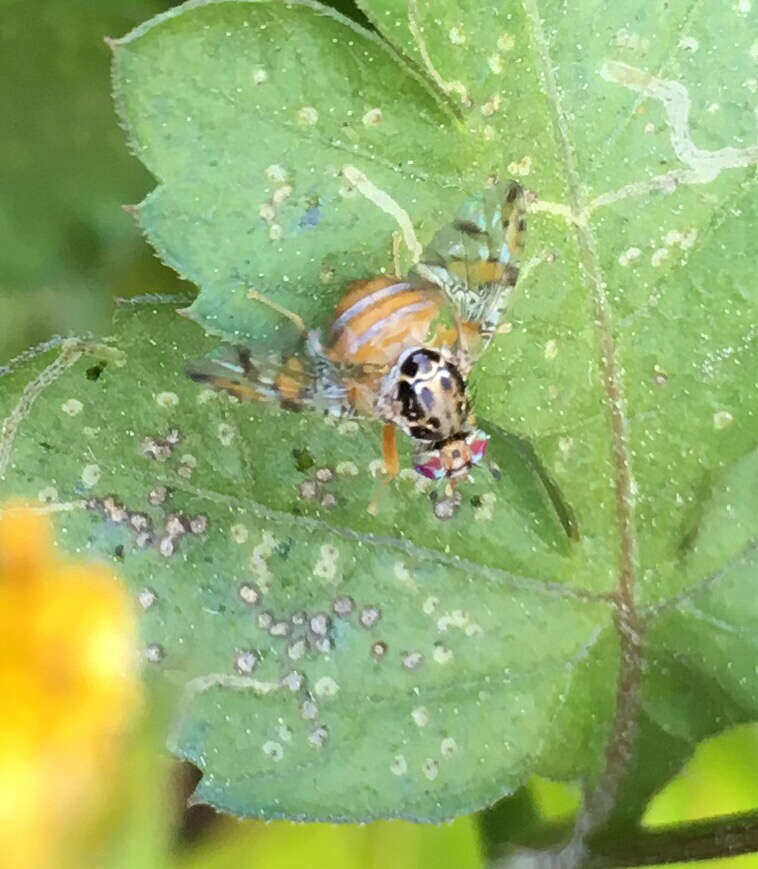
x,y
725,836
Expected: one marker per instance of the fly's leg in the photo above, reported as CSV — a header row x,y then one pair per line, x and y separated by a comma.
x,y
389,450
391,465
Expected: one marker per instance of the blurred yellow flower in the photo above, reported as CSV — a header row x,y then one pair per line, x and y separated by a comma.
x,y
68,688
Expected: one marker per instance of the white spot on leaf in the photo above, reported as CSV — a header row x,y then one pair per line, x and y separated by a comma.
x,y
72,407
246,661
399,765
48,494
420,716
225,433
521,167
318,737
307,116
495,63
448,747
629,255
326,566
276,174
326,687
281,194
90,475
154,653
430,768
372,117
296,649
722,419
239,533
167,399
441,654
205,395
146,598
491,106
273,750
689,43
430,604
401,571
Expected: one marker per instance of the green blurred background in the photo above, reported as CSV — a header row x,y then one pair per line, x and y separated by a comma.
x,y
68,249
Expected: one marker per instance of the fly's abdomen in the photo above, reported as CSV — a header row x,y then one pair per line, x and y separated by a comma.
x,y
380,318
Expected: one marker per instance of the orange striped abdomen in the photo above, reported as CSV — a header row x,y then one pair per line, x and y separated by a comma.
x,y
379,318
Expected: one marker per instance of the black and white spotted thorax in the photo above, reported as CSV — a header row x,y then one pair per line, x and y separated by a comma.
x,y
425,395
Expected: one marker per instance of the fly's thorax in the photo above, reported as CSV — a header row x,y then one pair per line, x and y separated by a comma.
x,y
425,395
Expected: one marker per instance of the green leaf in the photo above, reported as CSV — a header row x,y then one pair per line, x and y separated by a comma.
x,y
290,708
286,218
289,146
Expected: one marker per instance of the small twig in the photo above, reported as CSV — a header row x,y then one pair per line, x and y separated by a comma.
x,y
725,836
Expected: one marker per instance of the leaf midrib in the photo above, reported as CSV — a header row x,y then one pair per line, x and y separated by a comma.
x,y
601,799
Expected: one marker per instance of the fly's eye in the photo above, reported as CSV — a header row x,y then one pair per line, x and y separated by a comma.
x,y
432,468
478,447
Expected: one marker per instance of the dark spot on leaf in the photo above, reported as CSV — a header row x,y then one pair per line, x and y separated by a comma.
x,y
118,552
303,459
283,548
476,501
94,371
45,445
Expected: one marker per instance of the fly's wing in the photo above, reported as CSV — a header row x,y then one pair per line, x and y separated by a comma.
x,y
296,383
475,259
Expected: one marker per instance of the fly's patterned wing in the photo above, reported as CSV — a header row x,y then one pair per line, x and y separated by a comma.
x,y
296,383
475,259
